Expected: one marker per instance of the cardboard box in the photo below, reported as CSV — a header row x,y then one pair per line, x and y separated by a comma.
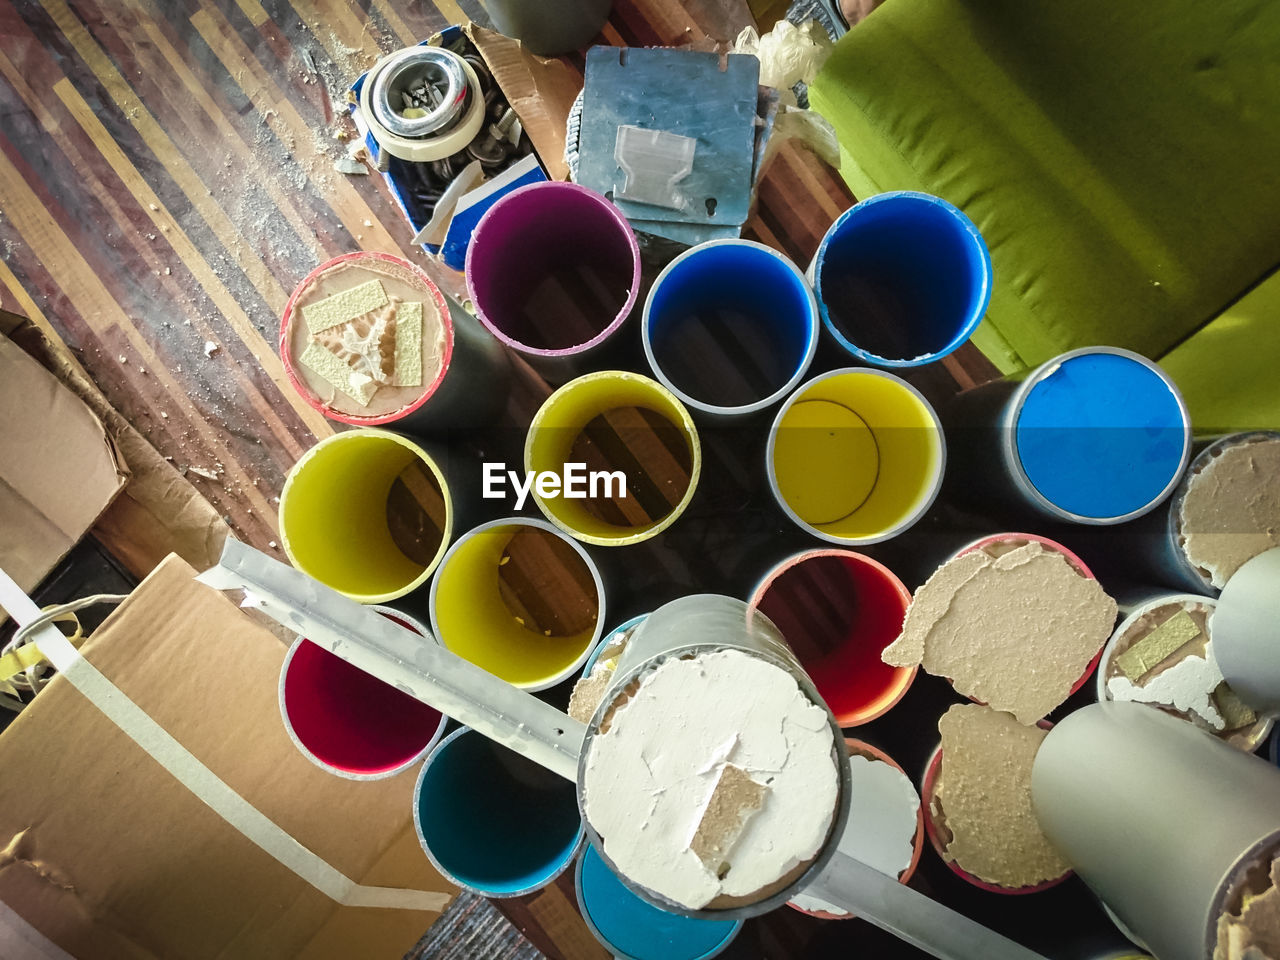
x,y
110,854
59,470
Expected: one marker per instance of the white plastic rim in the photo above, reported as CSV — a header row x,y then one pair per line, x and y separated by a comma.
x,y
427,637
537,524
922,505
1183,599
1008,424
811,334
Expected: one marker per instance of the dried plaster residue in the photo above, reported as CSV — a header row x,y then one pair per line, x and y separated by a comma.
x,y
1249,929
982,798
714,781
1231,510
1015,631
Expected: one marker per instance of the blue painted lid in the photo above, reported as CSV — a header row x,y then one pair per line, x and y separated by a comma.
x,y
1102,434
635,929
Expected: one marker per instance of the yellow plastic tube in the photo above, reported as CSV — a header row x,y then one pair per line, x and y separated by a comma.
x,y
334,514
560,421
471,616
856,456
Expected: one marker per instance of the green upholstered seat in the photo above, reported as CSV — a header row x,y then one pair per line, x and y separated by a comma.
x,y
1122,160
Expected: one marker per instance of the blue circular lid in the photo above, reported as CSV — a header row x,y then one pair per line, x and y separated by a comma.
x,y
1102,434
635,929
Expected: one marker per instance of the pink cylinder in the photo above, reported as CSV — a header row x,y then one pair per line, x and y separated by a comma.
x,y
349,722
553,270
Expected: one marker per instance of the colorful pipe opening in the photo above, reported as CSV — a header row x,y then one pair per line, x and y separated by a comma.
x,y
493,821
412,349
1098,435
839,610
902,279
730,326
553,269
631,928
348,721
855,456
885,829
519,599
616,423
367,513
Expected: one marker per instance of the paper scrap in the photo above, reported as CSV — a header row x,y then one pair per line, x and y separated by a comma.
x,y
408,349
330,368
734,800
344,305
1186,687
1252,932
1157,646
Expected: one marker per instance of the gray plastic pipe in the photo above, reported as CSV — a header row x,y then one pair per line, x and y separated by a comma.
x,y
1156,816
1246,632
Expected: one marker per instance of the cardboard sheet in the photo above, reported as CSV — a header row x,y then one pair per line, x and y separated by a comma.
x,y
159,511
109,856
59,469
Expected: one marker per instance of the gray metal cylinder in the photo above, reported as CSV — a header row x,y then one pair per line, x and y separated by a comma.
x,y
1246,632
1156,816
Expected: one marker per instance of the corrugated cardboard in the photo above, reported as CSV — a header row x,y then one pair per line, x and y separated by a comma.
x,y
58,468
159,512
541,92
109,856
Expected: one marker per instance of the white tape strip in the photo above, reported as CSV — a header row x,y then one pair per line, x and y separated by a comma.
x,y
198,778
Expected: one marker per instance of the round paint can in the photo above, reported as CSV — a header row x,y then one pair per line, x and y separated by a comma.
x,y
730,326
838,610
349,722
520,599
1099,435
368,513
491,820
553,271
631,928
902,279
855,456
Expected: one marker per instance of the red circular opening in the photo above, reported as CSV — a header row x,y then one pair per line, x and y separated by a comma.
x,y
352,721
838,611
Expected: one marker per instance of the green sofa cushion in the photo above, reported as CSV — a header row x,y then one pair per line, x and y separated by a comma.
x,y
1121,159
1229,370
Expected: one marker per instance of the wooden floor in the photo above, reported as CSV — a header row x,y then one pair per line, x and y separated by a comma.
x,y
166,178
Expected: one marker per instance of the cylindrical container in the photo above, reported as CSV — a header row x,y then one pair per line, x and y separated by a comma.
x,y
838,611
855,456
886,810
491,820
553,270
687,628
1144,619
520,599
348,721
1158,819
1246,632
549,28
631,928
730,326
999,543
1098,435
902,279
367,513
1223,512
630,433
464,373
939,837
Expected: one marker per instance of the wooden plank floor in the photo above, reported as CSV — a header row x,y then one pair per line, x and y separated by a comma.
x,y
166,178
